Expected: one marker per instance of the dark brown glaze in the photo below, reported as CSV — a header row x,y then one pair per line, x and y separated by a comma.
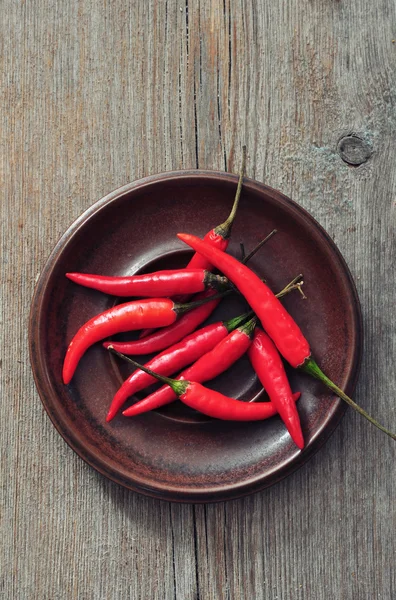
x,y
175,454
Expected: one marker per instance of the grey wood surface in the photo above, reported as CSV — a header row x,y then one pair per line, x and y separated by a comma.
x,y
96,93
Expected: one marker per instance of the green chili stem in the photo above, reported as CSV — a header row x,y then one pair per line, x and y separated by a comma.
x,y
225,228
313,369
179,387
232,324
182,308
249,327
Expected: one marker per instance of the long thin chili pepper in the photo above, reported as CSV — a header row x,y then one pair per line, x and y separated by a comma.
x,y
165,395
175,358
211,364
153,285
215,361
156,312
277,322
217,237
268,365
209,402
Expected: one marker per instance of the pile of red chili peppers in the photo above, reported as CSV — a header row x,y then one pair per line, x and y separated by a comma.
x,y
169,326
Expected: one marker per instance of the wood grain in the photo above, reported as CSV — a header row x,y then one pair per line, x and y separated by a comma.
x,y
97,93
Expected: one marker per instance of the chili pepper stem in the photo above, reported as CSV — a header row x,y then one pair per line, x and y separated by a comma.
x,y
298,286
249,327
235,322
259,245
313,369
216,282
292,285
182,308
179,387
225,228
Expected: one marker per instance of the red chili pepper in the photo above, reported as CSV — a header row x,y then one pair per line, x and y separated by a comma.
x,y
268,365
279,325
216,405
226,352
217,237
123,317
165,337
175,358
165,395
277,322
153,285
209,402
146,332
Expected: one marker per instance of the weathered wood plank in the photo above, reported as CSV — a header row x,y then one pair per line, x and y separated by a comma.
x,y
95,94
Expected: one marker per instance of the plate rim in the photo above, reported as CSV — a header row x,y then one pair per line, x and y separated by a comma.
x,y
167,491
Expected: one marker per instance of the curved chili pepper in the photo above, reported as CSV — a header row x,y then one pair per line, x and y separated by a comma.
x,y
209,402
268,365
165,337
277,322
157,312
226,352
217,237
153,285
216,405
175,358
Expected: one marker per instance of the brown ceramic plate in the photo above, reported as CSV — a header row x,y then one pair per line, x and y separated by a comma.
x,y
174,453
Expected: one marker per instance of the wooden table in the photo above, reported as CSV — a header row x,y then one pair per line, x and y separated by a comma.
x,y
98,93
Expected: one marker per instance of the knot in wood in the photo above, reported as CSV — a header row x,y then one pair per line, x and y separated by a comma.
x,y
354,150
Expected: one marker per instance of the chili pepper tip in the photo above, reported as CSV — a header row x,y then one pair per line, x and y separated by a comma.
x,y
299,441
110,416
